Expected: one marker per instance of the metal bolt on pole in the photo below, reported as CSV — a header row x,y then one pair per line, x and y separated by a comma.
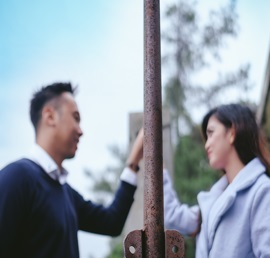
x,y
152,241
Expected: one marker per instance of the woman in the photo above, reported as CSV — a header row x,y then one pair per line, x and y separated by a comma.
x,y
232,220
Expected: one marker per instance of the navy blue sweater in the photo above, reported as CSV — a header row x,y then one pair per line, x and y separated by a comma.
x,y
40,218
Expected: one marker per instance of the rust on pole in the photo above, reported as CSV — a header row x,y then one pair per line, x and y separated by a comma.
x,y
152,241
153,159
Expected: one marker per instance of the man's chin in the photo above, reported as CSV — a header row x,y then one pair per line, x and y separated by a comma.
x,y
71,156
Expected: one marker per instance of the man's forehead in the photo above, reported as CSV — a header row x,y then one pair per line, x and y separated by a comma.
x,y
65,100
67,96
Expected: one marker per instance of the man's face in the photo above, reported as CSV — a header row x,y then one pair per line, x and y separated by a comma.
x,y
67,127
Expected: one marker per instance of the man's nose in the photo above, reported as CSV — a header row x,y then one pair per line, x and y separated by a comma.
x,y
80,132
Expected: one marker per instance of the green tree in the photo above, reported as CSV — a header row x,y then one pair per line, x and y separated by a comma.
x,y
192,172
192,46
105,183
117,251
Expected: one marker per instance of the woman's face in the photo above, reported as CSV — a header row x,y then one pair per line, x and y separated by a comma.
x,y
219,143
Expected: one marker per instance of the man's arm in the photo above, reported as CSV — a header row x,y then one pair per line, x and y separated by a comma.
x,y
110,220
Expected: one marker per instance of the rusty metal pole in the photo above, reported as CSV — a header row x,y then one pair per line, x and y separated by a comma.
x,y
153,178
152,241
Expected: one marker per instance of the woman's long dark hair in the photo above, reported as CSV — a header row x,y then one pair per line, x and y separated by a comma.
x,y
249,141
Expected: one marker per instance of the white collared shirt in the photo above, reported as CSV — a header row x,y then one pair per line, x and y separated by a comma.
x,y
43,159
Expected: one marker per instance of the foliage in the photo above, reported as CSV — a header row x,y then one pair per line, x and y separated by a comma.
x,y
105,184
117,251
192,172
192,47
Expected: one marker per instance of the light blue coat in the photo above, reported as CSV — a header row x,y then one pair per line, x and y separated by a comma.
x,y
235,217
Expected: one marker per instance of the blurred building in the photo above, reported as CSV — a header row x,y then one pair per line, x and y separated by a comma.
x,y
263,113
135,219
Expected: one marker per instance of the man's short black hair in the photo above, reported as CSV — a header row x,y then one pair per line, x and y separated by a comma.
x,y
43,96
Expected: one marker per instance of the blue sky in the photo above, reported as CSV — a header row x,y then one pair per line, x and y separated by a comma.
x,y
97,45
88,43
30,27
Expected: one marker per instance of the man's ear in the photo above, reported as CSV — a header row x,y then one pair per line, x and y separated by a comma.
x,y
49,115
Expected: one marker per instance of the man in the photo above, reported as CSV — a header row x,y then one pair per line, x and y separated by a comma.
x,y
40,213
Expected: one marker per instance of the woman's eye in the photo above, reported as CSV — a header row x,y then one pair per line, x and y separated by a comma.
x,y
209,132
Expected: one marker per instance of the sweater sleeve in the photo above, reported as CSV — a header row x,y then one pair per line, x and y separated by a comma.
x,y
13,205
108,220
260,221
178,216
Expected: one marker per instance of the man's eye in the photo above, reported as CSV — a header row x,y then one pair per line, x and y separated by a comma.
x,y
77,118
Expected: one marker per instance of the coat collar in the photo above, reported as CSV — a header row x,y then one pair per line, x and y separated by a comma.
x,y
219,199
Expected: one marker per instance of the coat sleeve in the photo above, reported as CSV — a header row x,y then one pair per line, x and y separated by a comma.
x,y
108,220
178,216
260,221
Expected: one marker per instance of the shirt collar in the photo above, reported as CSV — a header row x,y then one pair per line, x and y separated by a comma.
x,y
43,159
